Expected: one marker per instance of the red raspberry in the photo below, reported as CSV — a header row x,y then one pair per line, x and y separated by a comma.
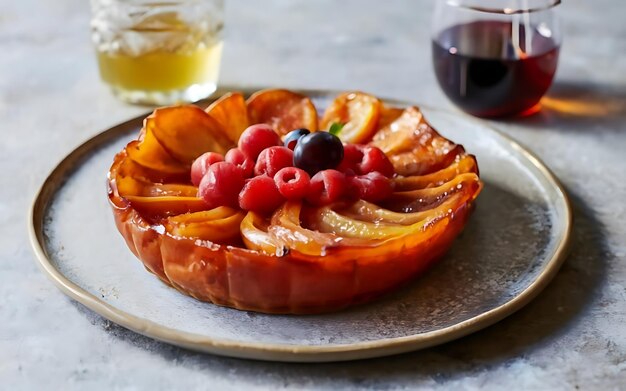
x,y
375,160
202,164
372,187
352,156
273,159
260,195
256,138
236,157
221,185
293,183
363,159
351,192
326,187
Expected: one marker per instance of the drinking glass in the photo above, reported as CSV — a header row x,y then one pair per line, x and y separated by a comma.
x,y
495,58
158,51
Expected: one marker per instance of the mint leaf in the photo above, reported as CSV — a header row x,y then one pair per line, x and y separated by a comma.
x,y
335,128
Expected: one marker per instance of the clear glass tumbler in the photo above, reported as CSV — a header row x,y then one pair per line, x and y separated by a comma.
x,y
158,51
495,58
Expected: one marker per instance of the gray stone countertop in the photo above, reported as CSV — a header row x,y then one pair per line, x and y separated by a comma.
x,y
573,336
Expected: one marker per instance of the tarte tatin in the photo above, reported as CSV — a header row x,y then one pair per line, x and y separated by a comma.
x,y
261,205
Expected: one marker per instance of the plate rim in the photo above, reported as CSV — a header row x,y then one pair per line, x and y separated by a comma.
x,y
282,351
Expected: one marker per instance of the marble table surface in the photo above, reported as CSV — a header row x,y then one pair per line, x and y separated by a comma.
x,y
571,337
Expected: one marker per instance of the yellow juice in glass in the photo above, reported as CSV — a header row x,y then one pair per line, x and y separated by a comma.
x,y
161,70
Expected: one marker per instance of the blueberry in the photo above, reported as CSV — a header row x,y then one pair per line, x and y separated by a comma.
x,y
318,151
292,137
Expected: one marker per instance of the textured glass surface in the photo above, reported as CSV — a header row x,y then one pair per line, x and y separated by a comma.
x,y
158,52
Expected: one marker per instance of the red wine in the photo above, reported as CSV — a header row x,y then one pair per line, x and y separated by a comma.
x,y
482,71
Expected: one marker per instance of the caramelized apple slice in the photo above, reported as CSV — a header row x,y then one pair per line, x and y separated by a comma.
x,y
428,198
170,189
150,153
397,135
421,162
187,132
388,114
462,165
368,212
413,146
166,205
286,228
283,110
330,221
219,213
128,186
219,225
230,111
255,237
126,167
358,112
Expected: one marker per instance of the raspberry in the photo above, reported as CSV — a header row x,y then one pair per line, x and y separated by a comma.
x,y
202,164
326,187
372,187
236,157
256,138
375,160
273,159
363,159
293,183
352,156
351,192
260,195
221,185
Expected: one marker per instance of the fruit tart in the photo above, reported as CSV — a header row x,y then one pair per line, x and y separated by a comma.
x,y
261,205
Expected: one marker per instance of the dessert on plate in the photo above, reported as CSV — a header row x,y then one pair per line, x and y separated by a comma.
x,y
263,205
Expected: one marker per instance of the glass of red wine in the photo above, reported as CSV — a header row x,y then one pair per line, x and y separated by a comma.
x,y
495,58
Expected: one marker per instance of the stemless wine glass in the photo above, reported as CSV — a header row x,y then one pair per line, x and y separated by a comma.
x,y
495,58
158,51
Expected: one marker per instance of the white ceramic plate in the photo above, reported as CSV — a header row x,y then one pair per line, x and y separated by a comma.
x,y
510,250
